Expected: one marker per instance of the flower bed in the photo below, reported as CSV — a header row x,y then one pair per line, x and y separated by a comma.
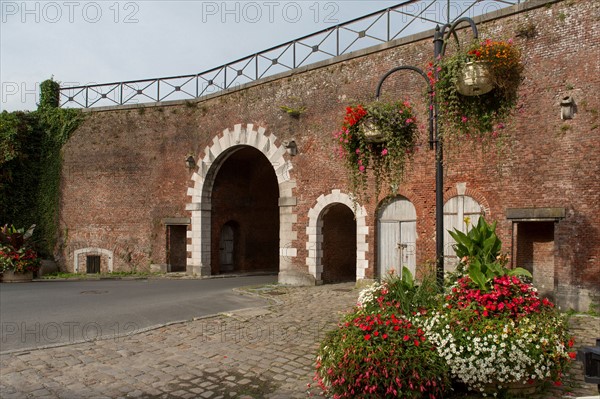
x,y
379,352
506,335
16,253
492,334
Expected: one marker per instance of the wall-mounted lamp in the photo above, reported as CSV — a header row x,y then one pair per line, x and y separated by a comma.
x,y
567,108
291,147
190,162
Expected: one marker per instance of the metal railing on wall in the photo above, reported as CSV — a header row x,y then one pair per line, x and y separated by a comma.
x,y
407,18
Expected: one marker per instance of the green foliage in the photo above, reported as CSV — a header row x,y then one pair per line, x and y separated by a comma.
x,y
30,160
294,112
16,252
400,294
479,251
49,94
20,149
480,243
14,237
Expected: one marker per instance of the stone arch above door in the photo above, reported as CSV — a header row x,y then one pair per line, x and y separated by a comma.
x,y
223,145
315,236
79,258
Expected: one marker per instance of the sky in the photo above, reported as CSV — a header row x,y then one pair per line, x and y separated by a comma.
x,y
88,42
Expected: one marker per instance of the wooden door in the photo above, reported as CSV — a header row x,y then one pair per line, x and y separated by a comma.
x,y
226,248
397,237
455,211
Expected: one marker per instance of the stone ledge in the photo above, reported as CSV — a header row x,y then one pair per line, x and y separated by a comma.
x,y
543,214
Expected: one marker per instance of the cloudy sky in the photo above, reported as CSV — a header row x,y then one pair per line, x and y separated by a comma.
x,y
86,42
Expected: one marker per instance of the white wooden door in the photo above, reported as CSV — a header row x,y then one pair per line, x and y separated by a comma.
x,y
389,254
455,211
397,237
226,249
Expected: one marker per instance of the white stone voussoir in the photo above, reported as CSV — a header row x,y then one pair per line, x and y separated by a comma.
x,y
203,178
315,235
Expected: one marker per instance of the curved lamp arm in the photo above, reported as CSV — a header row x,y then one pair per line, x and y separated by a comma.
x,y
452,31
430,91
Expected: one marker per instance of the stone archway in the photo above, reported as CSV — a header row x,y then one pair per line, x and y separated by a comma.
x,y
245,214
215,156
314,230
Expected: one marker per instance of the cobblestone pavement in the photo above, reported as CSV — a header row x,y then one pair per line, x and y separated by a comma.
x,y
258,353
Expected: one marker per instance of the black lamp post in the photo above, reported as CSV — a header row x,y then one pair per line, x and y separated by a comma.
x,y
440,40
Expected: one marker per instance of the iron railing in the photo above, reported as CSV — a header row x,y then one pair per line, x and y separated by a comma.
x,y
409,17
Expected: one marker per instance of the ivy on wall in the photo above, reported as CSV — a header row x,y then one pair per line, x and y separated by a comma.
x,y
30,164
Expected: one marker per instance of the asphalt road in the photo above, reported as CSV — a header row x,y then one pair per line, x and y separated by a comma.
x,y
40,314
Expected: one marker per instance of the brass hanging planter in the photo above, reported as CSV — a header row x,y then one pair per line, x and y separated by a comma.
x,y
372,133
474,79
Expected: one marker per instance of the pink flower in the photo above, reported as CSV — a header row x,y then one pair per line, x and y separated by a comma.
x,y
409,121
384,152
464,119
358,150
406,103
361,168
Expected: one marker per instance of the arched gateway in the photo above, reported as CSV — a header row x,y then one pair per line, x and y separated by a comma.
x,y
235,150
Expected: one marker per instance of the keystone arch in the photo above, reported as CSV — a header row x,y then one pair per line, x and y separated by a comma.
x,y
315,236
215,155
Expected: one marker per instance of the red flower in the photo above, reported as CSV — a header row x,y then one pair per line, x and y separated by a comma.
x,y
367,337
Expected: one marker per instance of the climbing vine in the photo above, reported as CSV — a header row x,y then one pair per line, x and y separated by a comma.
x,y
30,164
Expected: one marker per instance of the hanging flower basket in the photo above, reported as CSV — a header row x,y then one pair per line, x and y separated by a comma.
x,y
379,136
477,88
474,79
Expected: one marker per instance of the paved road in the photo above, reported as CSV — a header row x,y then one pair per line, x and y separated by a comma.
x,y
39,314
261,353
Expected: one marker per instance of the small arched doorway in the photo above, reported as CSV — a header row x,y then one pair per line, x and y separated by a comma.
x,y
245,214
397,237
339,244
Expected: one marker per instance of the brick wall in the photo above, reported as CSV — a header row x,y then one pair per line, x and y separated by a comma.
x,y
124,169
